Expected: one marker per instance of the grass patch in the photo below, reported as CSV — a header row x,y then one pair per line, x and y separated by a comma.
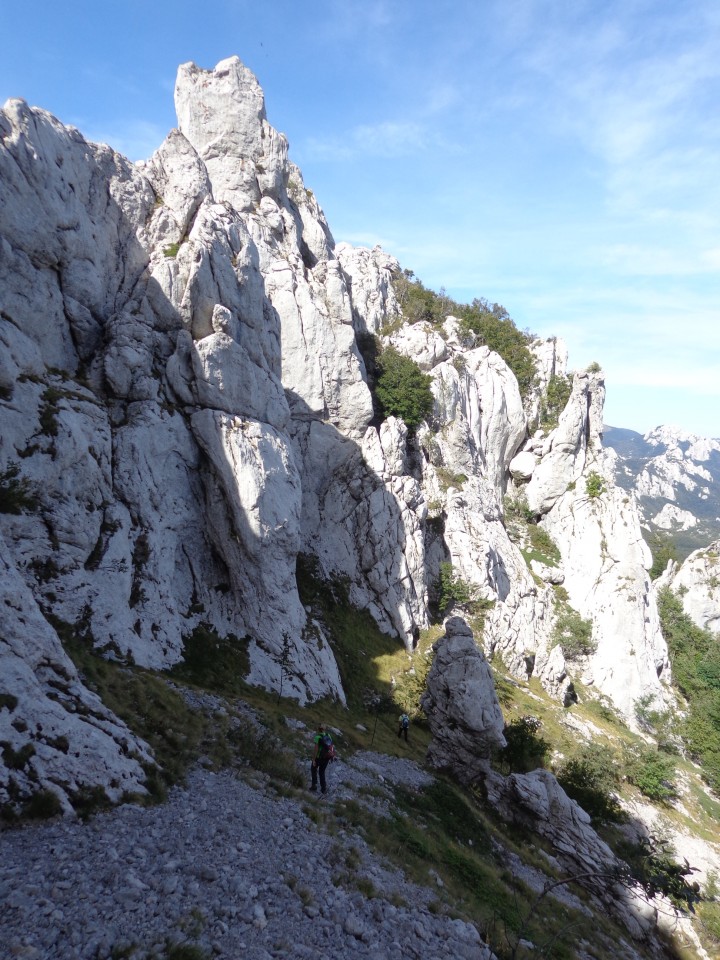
x,y
213,662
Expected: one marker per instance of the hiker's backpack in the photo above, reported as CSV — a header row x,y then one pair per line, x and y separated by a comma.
x,y
405,721
327,747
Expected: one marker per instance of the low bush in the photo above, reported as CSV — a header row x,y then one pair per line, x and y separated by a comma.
x,y
525,749
555,400
594,485
573,634
16,494
402,389
652,772
591,778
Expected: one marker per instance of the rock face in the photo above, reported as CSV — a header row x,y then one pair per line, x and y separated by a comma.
x,y
461,705
185,411
604,557
697,583
537,802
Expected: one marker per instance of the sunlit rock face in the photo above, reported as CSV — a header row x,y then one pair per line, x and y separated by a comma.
x,y
185,411
697,583
604,556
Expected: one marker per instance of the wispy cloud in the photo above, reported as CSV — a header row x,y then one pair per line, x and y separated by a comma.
x,y
386,139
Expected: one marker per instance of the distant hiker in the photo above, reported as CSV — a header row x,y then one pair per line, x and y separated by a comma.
x,y
403,725
323,753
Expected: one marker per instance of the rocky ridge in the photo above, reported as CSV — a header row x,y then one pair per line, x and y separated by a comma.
x,y
185,411
675,477
187,416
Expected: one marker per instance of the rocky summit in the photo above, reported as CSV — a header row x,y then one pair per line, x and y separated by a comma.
x,y
221,433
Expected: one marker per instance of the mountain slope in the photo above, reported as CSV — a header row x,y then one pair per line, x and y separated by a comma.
x,y
676,479
193,430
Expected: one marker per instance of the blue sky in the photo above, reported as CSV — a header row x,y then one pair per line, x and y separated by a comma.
x,y
560,157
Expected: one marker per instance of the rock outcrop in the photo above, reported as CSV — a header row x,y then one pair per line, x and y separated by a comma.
x,y
536,801
462,708
697,582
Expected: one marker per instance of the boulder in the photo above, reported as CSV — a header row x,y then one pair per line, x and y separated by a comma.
x,y
465,718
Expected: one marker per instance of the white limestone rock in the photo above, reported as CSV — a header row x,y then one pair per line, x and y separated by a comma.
x,y
697,582
227,379
70,739
370,274
522,465
568,447
551,670
419,341
519,622
551,359
477,402
222,114
674,519
605,561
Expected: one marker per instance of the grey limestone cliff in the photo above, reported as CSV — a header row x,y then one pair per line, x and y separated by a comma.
x,y
185,409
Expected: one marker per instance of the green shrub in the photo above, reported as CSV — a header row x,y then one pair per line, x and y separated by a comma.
x,y
652,772
652,863
555,400
402,389
573,634
171,251
525,749
42,805
695,658
594,485
663,550
543,545
517,509
488,323
15,492
417,302
491,324
452,589
593,367
213,662
16,759
591,778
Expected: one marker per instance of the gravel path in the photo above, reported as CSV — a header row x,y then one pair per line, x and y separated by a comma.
x,y
226,865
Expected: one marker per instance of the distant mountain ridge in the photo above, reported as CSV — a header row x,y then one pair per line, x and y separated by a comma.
x,y
676,478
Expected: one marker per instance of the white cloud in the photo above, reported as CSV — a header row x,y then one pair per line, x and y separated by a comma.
x,y
386,139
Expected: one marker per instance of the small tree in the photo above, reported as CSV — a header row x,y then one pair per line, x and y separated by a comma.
x,y
525,749
452,588
652,772
591,778
574,635
663,551
556,397
15,492
402,389
594,485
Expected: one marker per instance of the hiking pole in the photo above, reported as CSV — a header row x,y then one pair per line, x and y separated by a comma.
x,y
377,712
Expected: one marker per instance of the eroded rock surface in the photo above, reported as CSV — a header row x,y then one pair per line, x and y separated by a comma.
x,y
461,705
